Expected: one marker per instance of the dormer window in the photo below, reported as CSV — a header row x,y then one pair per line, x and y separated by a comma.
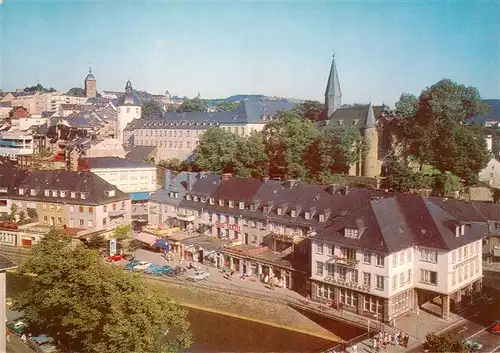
x,y
231,204
241,205
293,213
321,217
21,191
253,207
176,195
351,233
171,194
47,192
73,194
307,215
221,203
212,201
195,198
460,230
3,190
188,197
266,209
62,193
203,199
33,192
83,196
54,193
111,193
279,211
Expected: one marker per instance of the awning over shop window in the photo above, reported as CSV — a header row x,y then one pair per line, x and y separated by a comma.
x,y
164,244
147,238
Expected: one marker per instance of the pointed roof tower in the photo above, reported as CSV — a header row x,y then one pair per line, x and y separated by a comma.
x,y
333,94
370,117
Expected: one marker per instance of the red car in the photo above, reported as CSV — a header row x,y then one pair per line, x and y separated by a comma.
x,y
496,328
115,258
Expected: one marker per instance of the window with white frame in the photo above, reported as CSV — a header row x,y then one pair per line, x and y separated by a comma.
x,y
453,278
342,273
33,192
408,255
410,276
476,247
348,297
394,282
459,254
330,269
380,260
351,233
453,256
319,268
321,217
221,202
319,248
293,213
478,265
241,205
466,271
466,252
428,255
47,192
367,257
471,270
394,260
307,215
211,200
330,249
231,204
348,253
372,304
460,274
402,279
379,282
54,193
428,277
353,276
279,211
402,258
367,279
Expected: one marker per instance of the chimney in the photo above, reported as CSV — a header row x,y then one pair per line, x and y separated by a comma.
x,y
190,180
290,183
332,188
226,176
489,143
264,179
168,177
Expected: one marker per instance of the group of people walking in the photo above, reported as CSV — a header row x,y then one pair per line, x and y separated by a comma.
x,y
384,339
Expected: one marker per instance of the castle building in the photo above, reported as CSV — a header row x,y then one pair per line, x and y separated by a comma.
x,y
129,108
364,117
90,85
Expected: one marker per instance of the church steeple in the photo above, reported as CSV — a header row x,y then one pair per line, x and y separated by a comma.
x,y
333,94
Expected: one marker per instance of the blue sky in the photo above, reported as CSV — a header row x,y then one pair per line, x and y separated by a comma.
x,y
225,48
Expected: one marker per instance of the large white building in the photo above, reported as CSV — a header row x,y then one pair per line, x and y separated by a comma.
x,y
138,179
15,143
129,108
384,259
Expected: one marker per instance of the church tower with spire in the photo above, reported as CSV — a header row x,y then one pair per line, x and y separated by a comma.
x,y
371,163
333,95
90,85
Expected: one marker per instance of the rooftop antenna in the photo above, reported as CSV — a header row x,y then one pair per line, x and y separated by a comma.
x,y
333,52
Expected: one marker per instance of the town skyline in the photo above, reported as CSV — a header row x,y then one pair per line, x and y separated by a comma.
x,y
221,50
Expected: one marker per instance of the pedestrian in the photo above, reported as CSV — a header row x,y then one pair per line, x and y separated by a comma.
x,y
23,338
7,337
405,340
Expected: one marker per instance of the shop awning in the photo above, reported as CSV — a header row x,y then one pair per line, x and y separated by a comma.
x,y
146,238
139,196
164,244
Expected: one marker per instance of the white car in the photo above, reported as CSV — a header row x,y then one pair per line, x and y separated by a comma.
x,y
141,266
199,275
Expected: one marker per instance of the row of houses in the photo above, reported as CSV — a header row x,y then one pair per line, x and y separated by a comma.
x,y
81,203
371,252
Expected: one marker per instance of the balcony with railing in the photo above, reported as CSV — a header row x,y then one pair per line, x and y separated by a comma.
x,y
183,216
347,261
287,238
116,213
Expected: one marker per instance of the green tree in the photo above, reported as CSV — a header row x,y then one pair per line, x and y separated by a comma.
x,y
445,184
192,105
289,136
76,92
89,306
444,344
226,106
401,177
496,195
252,156
311,110
174,164
217,151
97,242
122,233
151,108
336,149
354,105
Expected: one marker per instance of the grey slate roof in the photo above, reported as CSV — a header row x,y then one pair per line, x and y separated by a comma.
x,y
333,84
249,111
179,185
114,162
80,182
353,116
6,264
140,153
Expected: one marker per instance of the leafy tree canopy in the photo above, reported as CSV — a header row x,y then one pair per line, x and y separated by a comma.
x,y
401,177
89,306
151,108
192,105
289,136
217,151
252,156
226,106
311,110
38,88
444,344
122,232
354,105
76,92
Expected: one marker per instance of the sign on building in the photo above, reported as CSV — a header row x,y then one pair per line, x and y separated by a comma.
x,y
112,247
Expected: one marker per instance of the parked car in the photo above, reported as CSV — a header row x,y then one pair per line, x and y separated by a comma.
x,y
177,271
164,271
42,344
496,328
115,258
151,269
141,266
17,327
473,345
199,276
131,265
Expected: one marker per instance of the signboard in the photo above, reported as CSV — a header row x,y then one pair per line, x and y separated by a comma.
x,y
465,262
112,247
345,284
234,227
